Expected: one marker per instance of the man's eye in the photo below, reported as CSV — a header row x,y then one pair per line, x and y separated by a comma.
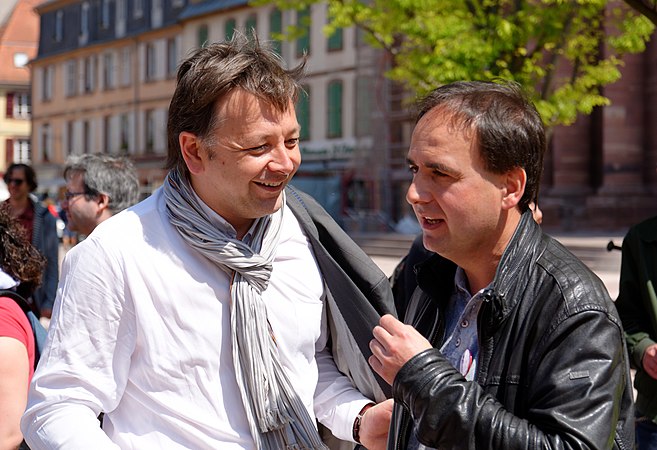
x,y
413,169
292,142
259,148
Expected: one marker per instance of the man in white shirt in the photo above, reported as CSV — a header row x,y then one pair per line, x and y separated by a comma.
x,y
217,312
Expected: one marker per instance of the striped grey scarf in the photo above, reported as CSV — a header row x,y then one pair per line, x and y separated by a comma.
x,y
277,417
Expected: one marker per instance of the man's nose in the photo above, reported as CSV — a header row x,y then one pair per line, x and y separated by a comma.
x,y
413,195
282,160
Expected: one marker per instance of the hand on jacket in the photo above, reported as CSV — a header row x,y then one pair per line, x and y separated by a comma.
x,y
649,361
393,345
375,426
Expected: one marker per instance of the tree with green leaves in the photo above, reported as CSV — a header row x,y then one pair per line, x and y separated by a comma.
x,y
646,7
561,51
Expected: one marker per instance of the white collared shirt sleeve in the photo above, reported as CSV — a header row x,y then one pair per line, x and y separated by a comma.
x,y
85,365
337,401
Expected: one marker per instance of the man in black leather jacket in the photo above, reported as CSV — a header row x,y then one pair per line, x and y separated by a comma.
x,y
519,345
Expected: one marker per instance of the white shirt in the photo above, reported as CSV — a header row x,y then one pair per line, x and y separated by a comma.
x,y
141,330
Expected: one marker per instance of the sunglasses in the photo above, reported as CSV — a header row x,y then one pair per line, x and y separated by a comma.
x,y
16,181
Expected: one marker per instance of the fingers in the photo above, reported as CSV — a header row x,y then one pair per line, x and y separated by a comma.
x,y
650,361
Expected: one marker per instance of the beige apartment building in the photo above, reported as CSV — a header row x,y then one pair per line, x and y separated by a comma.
x,y
19,33
106,69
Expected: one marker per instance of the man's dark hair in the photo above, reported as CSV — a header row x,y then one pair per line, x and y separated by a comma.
x,y
30,175
216,70
507,127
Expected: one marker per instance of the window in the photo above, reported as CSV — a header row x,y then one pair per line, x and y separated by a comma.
x,y
126,66
86,137
360,37
104,13
172,57
59,26
275,30
303,112
20,59
364,105
334,42
251,25
150,61
84,20
303,23
108,70
46,149
18,105
125,130
120,10
156,13
71,87
46,83
202,35
138,9
229,29
149,124
89,75
334,109
70,137
21,151
107,134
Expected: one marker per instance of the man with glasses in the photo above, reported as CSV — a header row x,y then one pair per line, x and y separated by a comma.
x,y
41,229
97,187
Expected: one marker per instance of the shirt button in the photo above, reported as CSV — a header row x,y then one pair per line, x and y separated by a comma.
x,y
458,342
465,323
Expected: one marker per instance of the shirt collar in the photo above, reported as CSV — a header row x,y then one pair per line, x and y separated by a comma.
x,y
461,283
220,222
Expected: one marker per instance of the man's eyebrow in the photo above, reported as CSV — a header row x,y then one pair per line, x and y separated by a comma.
x,y
435,166
440,167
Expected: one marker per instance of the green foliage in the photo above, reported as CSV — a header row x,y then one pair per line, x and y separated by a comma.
x,y
561,51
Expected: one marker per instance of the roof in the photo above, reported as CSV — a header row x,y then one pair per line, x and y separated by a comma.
x,y
19,35
6,7
208,7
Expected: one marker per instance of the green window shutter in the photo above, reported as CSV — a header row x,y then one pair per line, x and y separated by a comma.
x,y
230,29
334,109
251,25
364,105
275,29
335,40
202,35
303,113
303,23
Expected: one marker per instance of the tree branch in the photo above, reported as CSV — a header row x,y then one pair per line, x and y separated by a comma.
x,y
648,9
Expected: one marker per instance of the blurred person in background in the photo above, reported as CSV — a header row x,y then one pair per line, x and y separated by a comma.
x,y
97,187
41,228
21,266
637,307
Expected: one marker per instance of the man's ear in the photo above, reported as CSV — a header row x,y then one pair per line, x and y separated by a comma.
x,y
103,201
190,146
515,181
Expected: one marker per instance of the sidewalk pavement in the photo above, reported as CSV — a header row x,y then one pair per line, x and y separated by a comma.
x,y
591,248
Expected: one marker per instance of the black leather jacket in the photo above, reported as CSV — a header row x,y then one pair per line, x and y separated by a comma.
x,y
552,365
